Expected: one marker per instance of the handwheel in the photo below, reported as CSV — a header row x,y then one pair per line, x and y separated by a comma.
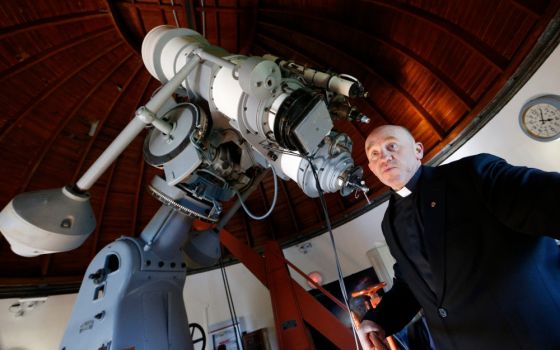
x,y
195,328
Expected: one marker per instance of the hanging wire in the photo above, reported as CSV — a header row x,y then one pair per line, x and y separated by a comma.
x,y
231,306
203,19
174,14
338,268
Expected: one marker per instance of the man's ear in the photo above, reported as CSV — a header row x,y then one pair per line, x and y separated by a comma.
x,y
419,150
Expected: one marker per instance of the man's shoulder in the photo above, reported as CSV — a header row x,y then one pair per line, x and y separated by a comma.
x,y
477,160
464,168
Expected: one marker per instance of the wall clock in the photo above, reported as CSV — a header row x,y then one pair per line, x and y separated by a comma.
x,y
540,118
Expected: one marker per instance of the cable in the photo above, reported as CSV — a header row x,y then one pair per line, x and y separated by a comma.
x,y
174,14
251,215
203,19
338,269
231,306
228,298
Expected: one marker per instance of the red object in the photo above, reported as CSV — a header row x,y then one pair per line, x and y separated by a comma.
x,y
316,277
287,315
199,225
370,292
372,302
290,301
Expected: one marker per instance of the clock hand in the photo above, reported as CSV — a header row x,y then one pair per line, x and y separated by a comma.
x,y
542,119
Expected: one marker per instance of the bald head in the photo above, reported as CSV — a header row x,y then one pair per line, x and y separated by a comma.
x,y
396,129
393,155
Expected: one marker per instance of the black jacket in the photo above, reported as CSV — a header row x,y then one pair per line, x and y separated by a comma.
x,y
487,229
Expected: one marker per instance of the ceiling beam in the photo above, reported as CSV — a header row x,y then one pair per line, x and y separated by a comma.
x,y
247,48
138,15
237,31
102,123
266,205
47,91
149,6
50,22
308,60
48,53
218,28
293,216
45,149
485,51
523,6
221,9
190,14
320,213
163,17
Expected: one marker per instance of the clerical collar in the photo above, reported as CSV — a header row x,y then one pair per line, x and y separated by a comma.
x,y
411,185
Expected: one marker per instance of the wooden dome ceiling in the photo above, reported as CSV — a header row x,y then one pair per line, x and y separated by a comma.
x,y
72,77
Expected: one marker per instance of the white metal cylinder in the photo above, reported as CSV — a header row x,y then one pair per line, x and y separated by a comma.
x,y
320,79
163,94
289,164
110,154
273,110
226,93
340,86
164,47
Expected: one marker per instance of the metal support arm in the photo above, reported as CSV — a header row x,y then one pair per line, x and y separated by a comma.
x,y
144,116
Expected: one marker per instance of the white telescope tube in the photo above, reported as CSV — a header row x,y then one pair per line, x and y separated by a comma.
x,y
215,80
317,78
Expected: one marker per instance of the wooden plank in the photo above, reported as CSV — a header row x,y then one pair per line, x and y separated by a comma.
x,y
47,147
485,51
49,22
47,91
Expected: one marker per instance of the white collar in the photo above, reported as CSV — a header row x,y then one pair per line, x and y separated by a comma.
x,y
404,192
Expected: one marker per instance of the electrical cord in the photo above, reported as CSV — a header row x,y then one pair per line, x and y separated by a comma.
x,y
251,215
338,268
231,306
174,14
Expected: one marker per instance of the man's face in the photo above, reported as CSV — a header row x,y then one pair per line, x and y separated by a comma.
x,y
393,155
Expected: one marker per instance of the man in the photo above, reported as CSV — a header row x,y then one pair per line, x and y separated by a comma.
x,y
472,241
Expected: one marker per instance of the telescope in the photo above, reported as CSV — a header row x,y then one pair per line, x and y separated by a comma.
x,y
217,123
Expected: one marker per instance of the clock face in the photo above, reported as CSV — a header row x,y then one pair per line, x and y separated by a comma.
x,y
540,119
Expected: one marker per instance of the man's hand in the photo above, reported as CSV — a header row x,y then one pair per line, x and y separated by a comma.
x,y
372,336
